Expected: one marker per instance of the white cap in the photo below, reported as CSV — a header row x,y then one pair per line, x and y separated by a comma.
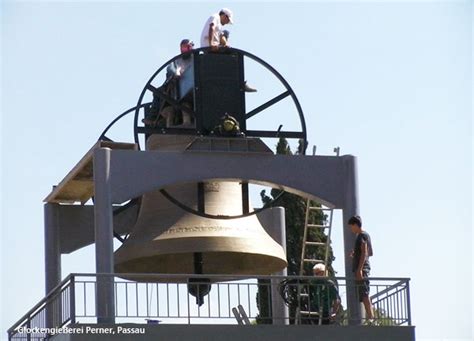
x,y
229,14
319,267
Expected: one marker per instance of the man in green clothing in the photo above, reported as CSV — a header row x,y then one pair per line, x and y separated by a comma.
x,y
324,296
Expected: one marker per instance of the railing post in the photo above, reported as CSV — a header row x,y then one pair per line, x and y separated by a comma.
x,y
408,302
28,325
189,307
72,299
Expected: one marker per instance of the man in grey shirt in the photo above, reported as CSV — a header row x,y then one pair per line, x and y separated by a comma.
x,y
360,263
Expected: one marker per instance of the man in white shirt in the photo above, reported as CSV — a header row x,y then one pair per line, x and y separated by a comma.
x,y
214,36
212,31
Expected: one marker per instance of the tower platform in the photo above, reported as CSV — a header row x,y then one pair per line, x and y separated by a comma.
x,y
238,333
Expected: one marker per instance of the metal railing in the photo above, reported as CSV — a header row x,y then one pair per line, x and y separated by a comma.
x,y
159,299
52,312
392,304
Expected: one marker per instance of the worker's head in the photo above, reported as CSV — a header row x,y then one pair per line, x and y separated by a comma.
x,y
186,45
355,223
226,16
319,269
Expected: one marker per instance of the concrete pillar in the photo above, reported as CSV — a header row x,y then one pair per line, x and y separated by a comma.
x,y
52,261
273,221
104,247
351,207
52,250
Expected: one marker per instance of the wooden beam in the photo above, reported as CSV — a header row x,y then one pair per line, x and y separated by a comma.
x,y
78,184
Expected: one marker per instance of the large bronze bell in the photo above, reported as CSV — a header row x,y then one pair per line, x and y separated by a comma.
x,y
168,240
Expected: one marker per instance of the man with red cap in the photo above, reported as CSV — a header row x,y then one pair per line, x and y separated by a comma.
x,y
177,68
160,108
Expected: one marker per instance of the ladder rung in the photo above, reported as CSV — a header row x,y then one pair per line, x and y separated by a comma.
x,y
313,260
311,313
318,226
315,243
303,295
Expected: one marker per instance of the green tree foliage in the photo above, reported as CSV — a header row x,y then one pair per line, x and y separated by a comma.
x,y
382,318
295,210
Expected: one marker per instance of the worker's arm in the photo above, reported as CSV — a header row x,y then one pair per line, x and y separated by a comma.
x,y
335,307
335,301
210,35
223,41
363,257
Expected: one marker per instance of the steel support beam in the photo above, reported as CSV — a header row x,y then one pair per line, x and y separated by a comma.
x,y
52,261
52,248
77,224
332,180
319,177
104,248
350,208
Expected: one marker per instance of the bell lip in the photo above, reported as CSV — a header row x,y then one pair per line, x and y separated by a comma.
x,y
207,244
214,264
171,278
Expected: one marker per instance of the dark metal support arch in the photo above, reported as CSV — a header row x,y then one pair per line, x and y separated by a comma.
x,y
217,216
254,133
119,117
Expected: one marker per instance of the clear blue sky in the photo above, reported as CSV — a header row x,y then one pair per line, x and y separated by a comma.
x,y
389,82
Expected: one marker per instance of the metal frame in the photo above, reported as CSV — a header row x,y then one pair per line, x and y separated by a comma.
x,y
254,133
251,133
119,117
330,180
